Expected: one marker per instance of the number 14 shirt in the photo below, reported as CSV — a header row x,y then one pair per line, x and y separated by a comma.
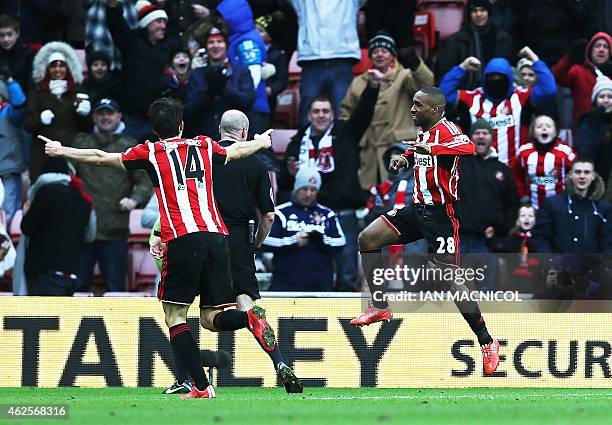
x,y
181,172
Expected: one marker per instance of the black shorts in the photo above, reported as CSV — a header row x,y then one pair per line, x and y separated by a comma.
x,y
197,264
242,252
438,224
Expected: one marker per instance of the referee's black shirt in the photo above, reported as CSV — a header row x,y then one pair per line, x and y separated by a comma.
x,y
240,186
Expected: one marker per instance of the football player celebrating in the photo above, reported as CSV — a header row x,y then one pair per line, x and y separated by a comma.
x,y
432,214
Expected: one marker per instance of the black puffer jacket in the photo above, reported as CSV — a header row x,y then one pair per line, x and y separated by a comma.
x,y
570,224
143,63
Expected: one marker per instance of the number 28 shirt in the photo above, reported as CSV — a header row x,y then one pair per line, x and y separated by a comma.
x,y
181,172
436,176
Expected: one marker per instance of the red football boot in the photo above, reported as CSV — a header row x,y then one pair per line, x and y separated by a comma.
x,y
259,326
490,356
372,315
209,392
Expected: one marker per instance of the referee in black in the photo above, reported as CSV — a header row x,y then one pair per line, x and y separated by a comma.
x,y
241,187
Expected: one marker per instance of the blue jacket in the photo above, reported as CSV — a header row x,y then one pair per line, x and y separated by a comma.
x,y
11,118
246,47
544,89
569,224
307,268
203,110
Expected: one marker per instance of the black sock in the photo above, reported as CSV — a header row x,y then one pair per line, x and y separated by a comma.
x,y
187,352
231,320
275,354
471,313
371,259
181,373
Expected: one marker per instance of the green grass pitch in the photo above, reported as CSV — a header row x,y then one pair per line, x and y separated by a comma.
x,y
327,406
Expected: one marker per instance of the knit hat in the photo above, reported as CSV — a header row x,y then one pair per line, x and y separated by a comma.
x,y
307,177
216,32
472,4
382,39
148,13
523,63
97,55
4,91
602,83
481,124
56,56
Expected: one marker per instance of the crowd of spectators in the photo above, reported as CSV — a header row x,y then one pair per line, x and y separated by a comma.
x,y
86,72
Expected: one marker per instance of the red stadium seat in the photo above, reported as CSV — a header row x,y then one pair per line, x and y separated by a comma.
x,y
15,229
142,271
138,234
280,140
295,71
448,14
424,32
287,113
364,64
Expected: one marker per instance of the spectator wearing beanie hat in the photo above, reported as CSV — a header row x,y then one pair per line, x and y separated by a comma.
x,y
495,189
400,75
145,52
480,38
594,136
101,81
304,238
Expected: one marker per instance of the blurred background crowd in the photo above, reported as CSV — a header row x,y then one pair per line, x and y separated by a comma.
x,y
528,80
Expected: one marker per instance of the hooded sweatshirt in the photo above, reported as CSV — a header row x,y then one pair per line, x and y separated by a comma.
x,y
580,78
246,47
508,109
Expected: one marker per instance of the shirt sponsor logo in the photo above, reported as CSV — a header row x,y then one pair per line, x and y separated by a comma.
x,y
423,160
543,180
501,121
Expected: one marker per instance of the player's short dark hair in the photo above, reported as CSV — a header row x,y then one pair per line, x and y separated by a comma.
x,y
9,21
319,98
583,160
435,94
166,115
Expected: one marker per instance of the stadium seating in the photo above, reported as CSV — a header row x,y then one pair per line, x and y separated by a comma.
x,y
448,14
295,71
280,140
424,33
15,228
364,64
287,113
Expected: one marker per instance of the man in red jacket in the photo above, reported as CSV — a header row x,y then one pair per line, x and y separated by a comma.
x,y
580,72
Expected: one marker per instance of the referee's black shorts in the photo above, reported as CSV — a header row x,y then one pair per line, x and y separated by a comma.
x,y
242,252
439,224
197,264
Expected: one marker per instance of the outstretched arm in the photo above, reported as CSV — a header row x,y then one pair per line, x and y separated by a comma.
x,y
85,156
243,149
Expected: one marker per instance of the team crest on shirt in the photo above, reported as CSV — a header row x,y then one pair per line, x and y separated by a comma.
x,y
499,176
392,213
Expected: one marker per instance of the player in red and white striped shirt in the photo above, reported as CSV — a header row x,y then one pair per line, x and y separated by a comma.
x,y
196,258
431,216
541,165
